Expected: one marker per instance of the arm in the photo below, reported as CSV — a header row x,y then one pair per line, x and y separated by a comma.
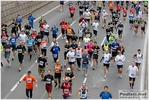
x,y
77,93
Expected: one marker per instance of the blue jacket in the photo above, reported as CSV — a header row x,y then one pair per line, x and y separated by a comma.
x,y
55,49
18,20
31,18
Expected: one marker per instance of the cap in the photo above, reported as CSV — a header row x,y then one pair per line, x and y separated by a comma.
x,y
103,10
68,68
29,72
66,41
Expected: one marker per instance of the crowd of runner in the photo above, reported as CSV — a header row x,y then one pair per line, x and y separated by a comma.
x,y
80,48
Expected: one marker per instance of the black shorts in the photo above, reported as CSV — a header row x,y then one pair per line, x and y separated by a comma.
x,y
69,37
71,63
20,58
131,21
71,15
90,53
38,44
3,43
114,54
107,65
54,36
88,20
13,47
138,64
111,10
95,32
125,15
143,28
65,54
30,49
115,22
81,38
119,66
57,75
63,31
95,56
80,13
46,33
131,79
120,32
62,3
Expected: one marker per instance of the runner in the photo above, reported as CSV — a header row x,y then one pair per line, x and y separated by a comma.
x,y
66,50
120,27
97,15
85,61
118,9
84,25
23,37
54,41
146,7
138,57
29,84
81,9
80,34
133,74
43,46
121,48
70,76
111,6
105,94
72,10
108,31
49,80
71,58
33,35
31,19
105,47
13,27
136,25
88,33
124,13
106,62
87,15
110,27
66,86
83,92
21,50
54,30
86,5
27,29
57,73
63,24
119,61
30,43
143,25
79,52
104,17
61,6
46,31
89,47
69,33
131,19
4,27
4,37
96,50
95,30
140,14
7,49
38,40
41,26
42,62
55,51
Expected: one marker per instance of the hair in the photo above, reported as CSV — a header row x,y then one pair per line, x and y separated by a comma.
x,y
105,87
139,49
49,70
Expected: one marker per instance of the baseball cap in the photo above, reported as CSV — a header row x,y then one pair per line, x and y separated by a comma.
x,y
103,10
68,68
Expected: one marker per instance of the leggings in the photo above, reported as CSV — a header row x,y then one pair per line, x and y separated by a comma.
x,y
44,51
27,93
79,62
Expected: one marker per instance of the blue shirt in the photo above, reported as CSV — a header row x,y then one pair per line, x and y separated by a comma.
x,y
30,42
131,16
55,49
104,95
18,20
54,29
115,46
31,18
13,40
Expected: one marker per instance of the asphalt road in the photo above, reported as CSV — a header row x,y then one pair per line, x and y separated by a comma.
x,y
95,81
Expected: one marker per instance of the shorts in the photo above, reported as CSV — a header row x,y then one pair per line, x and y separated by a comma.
x,y
85,65
38,44
131,79
90,53
125,15
56,75
119,66
7,54
46,33
131,21
88,20
80,13
107,65
138,64
62,3
111,10
115,22
95,56
13,47
71,15
81,38
136,26
143,28
65,54
114,54
30,49
71,63
63,31
65,97
54,36
95,32
69,37
20,58
120,32
49,88
41,70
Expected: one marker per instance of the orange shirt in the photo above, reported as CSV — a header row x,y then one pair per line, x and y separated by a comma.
x,y
29,81
57,68
44,44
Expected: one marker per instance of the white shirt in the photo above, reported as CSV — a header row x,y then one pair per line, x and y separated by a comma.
x,y
46,28
87,15
96,26
23,37
71,56
79,53
52,44
140,13
106,58
120,59
104,15
139,58
83,24
132,71
80,32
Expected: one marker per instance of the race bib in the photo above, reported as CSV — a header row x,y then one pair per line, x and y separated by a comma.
x,y
20,50
41,63
29,80
66,91
55,55
132,75
13,40
29,44
56,68
39,40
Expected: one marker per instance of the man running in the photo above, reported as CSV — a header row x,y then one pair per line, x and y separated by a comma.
x,y
104,17
136,25
66,50
38,40
63,24
131,19
120,28
96,27
46,31
54,30
105,94
72,10
143,25
29,84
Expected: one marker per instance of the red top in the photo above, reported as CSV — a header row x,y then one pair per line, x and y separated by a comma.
x,y
63,24
41,25
34,35
80,20
125,11
66,89
132,11
72,10
118,8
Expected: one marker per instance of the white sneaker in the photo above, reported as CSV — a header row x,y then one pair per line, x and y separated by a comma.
x,y
105,77
85,74
19,69
9,64
118,76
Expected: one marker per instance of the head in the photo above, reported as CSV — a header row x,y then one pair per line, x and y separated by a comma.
x,y
57,61
13,20
95,43
30,37
63,19
66,80
18,15
42,17
68,69
42,56
121,44
107,51
49,71
79,46
55,44
87,10
139,51
3,32
120,22
3,22
116,40
104,11
30,14
106,42
55,24
106,88
83,85
20,43
23,32
133,64
39,33
13,35
91,41
29,73
42,21
70,49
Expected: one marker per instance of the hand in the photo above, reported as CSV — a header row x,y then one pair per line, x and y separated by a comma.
x,y
36,85
137,76
25,52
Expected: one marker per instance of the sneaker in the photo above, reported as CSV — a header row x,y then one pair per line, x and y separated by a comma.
x,y
79,69
30,60
131,87
9,64
64,66
118,76
85,74
12,59
19,69
105,77
27,97
59,86
93,68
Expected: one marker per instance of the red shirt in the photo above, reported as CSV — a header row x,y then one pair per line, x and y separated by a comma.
x,y
66,89
132,11
72,10
80,20
118,8
41,25
63,24
125,11
34,35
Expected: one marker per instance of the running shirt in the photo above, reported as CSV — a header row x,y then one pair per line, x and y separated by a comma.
x,y
79,52
85,58
96,26
86,41
27,27
114,46
44,45
72,10
114,13
111,24
33,35
118,8
63,24
103,95
69,75
48,79
81,8
143,23
83,24
132,71
21,49
120,27
131,17
83,93
136,22
23,37
54,30
89,34
124,12
71,56
30,43
108,31
104,15
119,59
87,15
89,47
7,48
80,32
55,50
46,28
140,14
139,57
66,89
4,37
66,46
4,27
29,81
41,26
96,49
111,5
42,61
106,58
57,68
38,39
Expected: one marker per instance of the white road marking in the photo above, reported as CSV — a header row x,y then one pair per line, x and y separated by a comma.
x,y
17,83
85,79
103,41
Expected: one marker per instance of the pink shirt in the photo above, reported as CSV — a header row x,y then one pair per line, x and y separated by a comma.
x,y
89,47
